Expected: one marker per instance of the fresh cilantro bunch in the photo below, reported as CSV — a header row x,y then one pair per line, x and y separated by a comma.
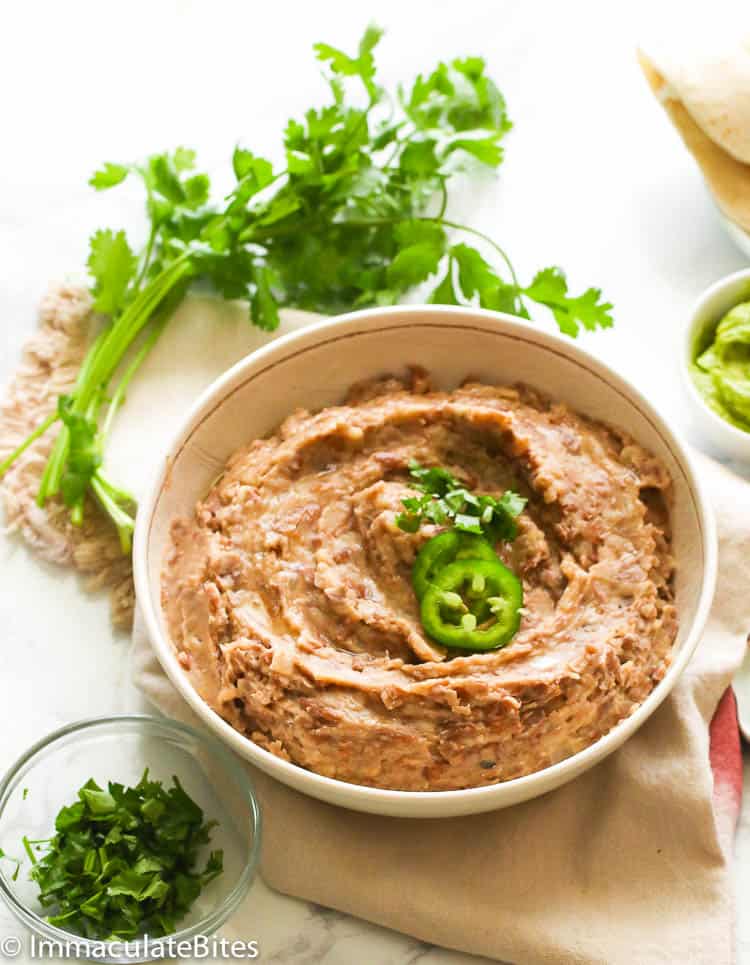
x,y
355,216
123,860
443,500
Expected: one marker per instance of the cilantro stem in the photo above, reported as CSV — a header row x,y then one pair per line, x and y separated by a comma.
x,y
118,494
155,228
445,223
101,362
400,142
50,483
127,327
159,323
124,522
146,260
443,199
28,849
15,861
36,434
76,513
486,239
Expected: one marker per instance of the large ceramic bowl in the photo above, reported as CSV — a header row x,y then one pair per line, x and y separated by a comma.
x,y
313,368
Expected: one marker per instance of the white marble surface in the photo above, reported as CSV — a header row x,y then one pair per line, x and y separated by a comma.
x,y
595,180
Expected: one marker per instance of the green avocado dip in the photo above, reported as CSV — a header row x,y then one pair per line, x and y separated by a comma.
x,y
721,367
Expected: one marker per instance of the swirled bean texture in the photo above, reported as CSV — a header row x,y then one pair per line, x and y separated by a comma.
x,y
289,600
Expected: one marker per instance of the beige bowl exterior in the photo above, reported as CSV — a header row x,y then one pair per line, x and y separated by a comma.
x,y
313,368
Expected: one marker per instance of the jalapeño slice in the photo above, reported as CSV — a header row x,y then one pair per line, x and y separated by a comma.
x,y
449,601
445,548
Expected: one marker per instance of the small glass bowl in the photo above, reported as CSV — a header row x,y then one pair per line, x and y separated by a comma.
x,y
120,748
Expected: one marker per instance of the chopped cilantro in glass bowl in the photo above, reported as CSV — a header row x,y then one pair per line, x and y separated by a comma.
x,y
121,836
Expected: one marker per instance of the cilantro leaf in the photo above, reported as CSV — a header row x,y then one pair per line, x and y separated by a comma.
x,y
165,179
416,232
550,287
467,523
475,276
214,866
197,190
408,522
503,297
264,308
419,158
362,66
108,176
112,265
97,801
253,174
485,149
414,264
444,292
183,159
459,97
433,480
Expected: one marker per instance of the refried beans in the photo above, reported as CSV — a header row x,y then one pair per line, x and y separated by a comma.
x,y
289,601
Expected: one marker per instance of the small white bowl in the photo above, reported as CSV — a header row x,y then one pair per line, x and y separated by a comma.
x,y
313,368
738,235
707,312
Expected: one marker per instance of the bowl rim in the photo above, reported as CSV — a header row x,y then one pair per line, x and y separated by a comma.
x,y
698,321
734,231
420,803
136,950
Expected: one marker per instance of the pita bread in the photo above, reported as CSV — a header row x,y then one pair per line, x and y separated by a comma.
x,y
712,79
728,177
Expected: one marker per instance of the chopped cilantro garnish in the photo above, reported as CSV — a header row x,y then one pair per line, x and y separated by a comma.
x,y
123,861
442,499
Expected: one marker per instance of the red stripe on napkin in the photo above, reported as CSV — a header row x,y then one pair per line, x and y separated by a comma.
x,y
726,762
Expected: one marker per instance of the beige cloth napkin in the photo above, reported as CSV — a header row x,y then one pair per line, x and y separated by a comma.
x,y
623,866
